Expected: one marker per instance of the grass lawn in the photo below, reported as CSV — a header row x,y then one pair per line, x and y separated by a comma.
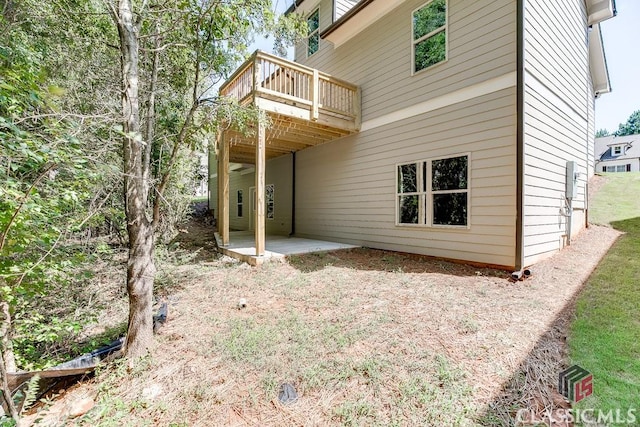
x,y
605,335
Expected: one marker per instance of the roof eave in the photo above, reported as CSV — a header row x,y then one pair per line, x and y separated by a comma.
x,y
301,7
598,62
366,11
600,10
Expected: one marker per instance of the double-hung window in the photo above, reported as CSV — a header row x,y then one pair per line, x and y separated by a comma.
x,y
313,32
429,43
434,192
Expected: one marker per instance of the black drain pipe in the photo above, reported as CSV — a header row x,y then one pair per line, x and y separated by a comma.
x,y
293,193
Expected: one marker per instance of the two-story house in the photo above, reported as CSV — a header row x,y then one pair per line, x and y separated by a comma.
x,y
617,153
451,128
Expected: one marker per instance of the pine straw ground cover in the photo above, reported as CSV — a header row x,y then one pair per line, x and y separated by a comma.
x,y
366,337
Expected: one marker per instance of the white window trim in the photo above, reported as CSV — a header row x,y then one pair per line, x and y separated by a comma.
x,y
414,42
316,31
427,200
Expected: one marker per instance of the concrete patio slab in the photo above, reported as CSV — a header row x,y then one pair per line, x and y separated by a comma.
x,y
242,246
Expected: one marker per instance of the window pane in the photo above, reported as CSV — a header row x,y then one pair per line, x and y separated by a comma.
x,y
239,196
450,209
408,209
621,168
269,193
313,21
408,178
314,41
239,211
429,18
430,51
449,174
425,174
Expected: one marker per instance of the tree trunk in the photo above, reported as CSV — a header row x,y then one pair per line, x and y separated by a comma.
x,y
6,332
140,274
5,353
140,266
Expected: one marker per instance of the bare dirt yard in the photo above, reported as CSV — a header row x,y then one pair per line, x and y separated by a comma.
x,y
366,337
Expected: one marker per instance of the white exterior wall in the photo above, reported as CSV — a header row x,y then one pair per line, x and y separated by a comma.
x,y
558,121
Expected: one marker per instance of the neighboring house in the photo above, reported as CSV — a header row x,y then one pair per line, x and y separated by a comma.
x,y
617,154
451,128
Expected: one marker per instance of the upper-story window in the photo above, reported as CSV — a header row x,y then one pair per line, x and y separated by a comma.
x,y
617,150
429,35
313,37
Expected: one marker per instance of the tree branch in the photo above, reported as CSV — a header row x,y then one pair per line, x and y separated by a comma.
x,y
172,159
3,238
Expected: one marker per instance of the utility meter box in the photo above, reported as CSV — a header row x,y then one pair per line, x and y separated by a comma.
x,y
572,180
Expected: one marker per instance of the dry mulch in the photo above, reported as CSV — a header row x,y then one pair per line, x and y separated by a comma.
x,y
397,312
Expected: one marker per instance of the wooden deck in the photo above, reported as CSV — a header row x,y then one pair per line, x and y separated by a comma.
x,y
306,107
241,246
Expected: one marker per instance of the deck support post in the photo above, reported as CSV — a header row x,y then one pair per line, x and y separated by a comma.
x,y
315,96
260,190
223,189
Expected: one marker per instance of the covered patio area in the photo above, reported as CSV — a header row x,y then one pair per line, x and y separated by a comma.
x,y
305,108
242,246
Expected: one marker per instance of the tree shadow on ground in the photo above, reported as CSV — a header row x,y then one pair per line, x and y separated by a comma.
x,y
387,261
533,387
532,392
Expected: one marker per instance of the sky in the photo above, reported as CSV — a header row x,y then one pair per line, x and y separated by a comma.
x,y
621,36
267,44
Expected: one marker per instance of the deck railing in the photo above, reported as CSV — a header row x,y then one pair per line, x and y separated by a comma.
x,y
269,76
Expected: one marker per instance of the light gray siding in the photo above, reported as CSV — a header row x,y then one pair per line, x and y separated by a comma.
x,y
481,40
558,121
279,173
345,190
